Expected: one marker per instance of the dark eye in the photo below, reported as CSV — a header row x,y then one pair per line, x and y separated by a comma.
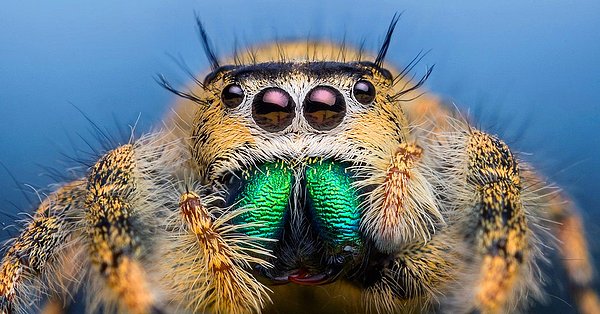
x,y
232,95
364,92
273,109
324,108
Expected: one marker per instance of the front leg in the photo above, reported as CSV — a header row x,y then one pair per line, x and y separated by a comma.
x,y
115,244
501,237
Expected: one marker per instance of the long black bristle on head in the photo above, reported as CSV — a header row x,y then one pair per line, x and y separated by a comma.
x,y
210,54
386,42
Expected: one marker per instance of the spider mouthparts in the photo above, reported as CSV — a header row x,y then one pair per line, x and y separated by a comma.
x,y
281,280
303,277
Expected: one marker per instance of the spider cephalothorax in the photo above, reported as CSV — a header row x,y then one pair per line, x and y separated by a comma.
x,y
298,132
301,164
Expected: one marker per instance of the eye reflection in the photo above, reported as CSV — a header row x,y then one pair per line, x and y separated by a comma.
x,y
232,95
364,92
324,108
273,109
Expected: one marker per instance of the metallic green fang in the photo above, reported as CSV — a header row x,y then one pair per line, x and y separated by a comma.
x,y
265,195
335,203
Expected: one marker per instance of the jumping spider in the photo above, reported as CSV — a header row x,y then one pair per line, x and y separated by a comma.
x,y
301,164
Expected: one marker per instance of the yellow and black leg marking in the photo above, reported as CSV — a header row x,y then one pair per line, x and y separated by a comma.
x,y
115,246
501,235
34,261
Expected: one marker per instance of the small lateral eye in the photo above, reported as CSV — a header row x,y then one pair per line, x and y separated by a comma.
x,y
273,109
324,108
364,92
232,95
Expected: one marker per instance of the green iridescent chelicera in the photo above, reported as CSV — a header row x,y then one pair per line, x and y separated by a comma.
x,y
265,193
335,203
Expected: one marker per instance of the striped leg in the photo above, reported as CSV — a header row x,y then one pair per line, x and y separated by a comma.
x,y
501,237
115,246
36,258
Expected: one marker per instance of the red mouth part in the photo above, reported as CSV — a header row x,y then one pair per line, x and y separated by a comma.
x,y
303,277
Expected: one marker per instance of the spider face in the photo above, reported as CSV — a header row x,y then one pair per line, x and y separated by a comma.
x,y
295,156
280,110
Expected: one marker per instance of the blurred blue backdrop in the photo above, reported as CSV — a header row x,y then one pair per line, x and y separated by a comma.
x,y
527,70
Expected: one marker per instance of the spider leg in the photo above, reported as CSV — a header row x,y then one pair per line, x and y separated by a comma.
x,y
36,258
568,227
411,279
501,237
115,242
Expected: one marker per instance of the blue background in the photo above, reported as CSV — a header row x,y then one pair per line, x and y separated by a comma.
x,y
527,70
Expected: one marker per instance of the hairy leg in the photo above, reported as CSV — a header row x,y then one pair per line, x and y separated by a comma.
x,y
566,224
484,250
36,258
412,279
115,244
501,236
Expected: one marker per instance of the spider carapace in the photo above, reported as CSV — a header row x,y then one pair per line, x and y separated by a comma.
x,y
300,175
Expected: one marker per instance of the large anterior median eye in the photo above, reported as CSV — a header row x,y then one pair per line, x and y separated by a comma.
x,y
324,108
273,109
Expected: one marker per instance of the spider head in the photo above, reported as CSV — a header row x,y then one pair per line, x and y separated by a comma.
x,y
291,110
297,144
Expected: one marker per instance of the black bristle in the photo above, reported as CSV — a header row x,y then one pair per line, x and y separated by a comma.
x,y
386,42
210,54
